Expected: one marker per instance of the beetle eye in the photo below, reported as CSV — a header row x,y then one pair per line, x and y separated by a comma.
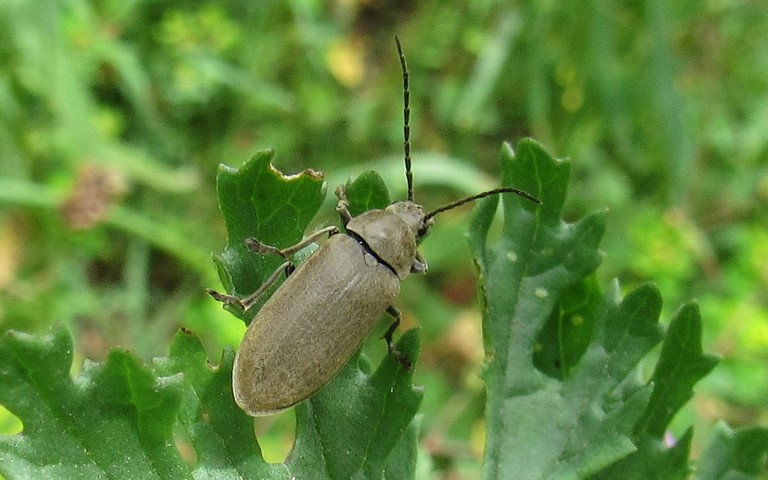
x,y
425,227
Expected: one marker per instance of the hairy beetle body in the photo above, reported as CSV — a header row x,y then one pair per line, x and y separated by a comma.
x,y
315,321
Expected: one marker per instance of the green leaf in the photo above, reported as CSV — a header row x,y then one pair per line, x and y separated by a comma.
x,y
221,433
566,398
367,192
681,364
352,426
734,454
574,424
114,420
572,324
256,200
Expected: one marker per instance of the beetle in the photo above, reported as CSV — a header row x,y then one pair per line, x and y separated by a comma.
x,y
316,320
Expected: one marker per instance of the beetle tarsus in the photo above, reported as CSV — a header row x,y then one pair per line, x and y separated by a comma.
x,y
342,208
400,357
224,298
258,247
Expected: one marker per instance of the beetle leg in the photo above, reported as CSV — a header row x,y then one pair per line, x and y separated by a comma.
x,y
250,300
342,208
258,247
286,267
400,357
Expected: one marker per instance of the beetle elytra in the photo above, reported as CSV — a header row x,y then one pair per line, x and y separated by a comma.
x,y
316,320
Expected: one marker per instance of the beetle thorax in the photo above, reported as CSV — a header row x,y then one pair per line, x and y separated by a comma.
x,y
389,236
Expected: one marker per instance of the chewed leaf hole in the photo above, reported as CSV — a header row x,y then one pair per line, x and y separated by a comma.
x,y
9,423
276,434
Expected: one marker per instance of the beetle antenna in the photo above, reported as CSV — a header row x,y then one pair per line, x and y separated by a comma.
x,y
406,119
472,198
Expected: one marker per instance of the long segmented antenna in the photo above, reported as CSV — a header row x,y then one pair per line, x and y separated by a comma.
x,y
406,119
407,150
495,191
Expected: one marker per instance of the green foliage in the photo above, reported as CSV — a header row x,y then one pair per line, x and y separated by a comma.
x,y
113,420
360,425
587,409
367,192
580,409
660,105
256,201
116,419
374,410
733,454
122,413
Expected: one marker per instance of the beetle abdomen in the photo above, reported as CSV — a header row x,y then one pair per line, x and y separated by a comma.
x,y
311,326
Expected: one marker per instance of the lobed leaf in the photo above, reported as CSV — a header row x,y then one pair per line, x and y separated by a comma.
x,y
565,398
680,365
220,432
734,454
367,192
352,426
116,420
113,420
257,200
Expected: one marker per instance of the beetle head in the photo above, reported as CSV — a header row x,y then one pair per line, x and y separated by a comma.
x,y
414,216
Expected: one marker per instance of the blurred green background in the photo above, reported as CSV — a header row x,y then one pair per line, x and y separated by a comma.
x,y
114,115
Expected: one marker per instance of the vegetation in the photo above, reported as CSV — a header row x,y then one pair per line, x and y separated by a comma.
x,y
115,117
